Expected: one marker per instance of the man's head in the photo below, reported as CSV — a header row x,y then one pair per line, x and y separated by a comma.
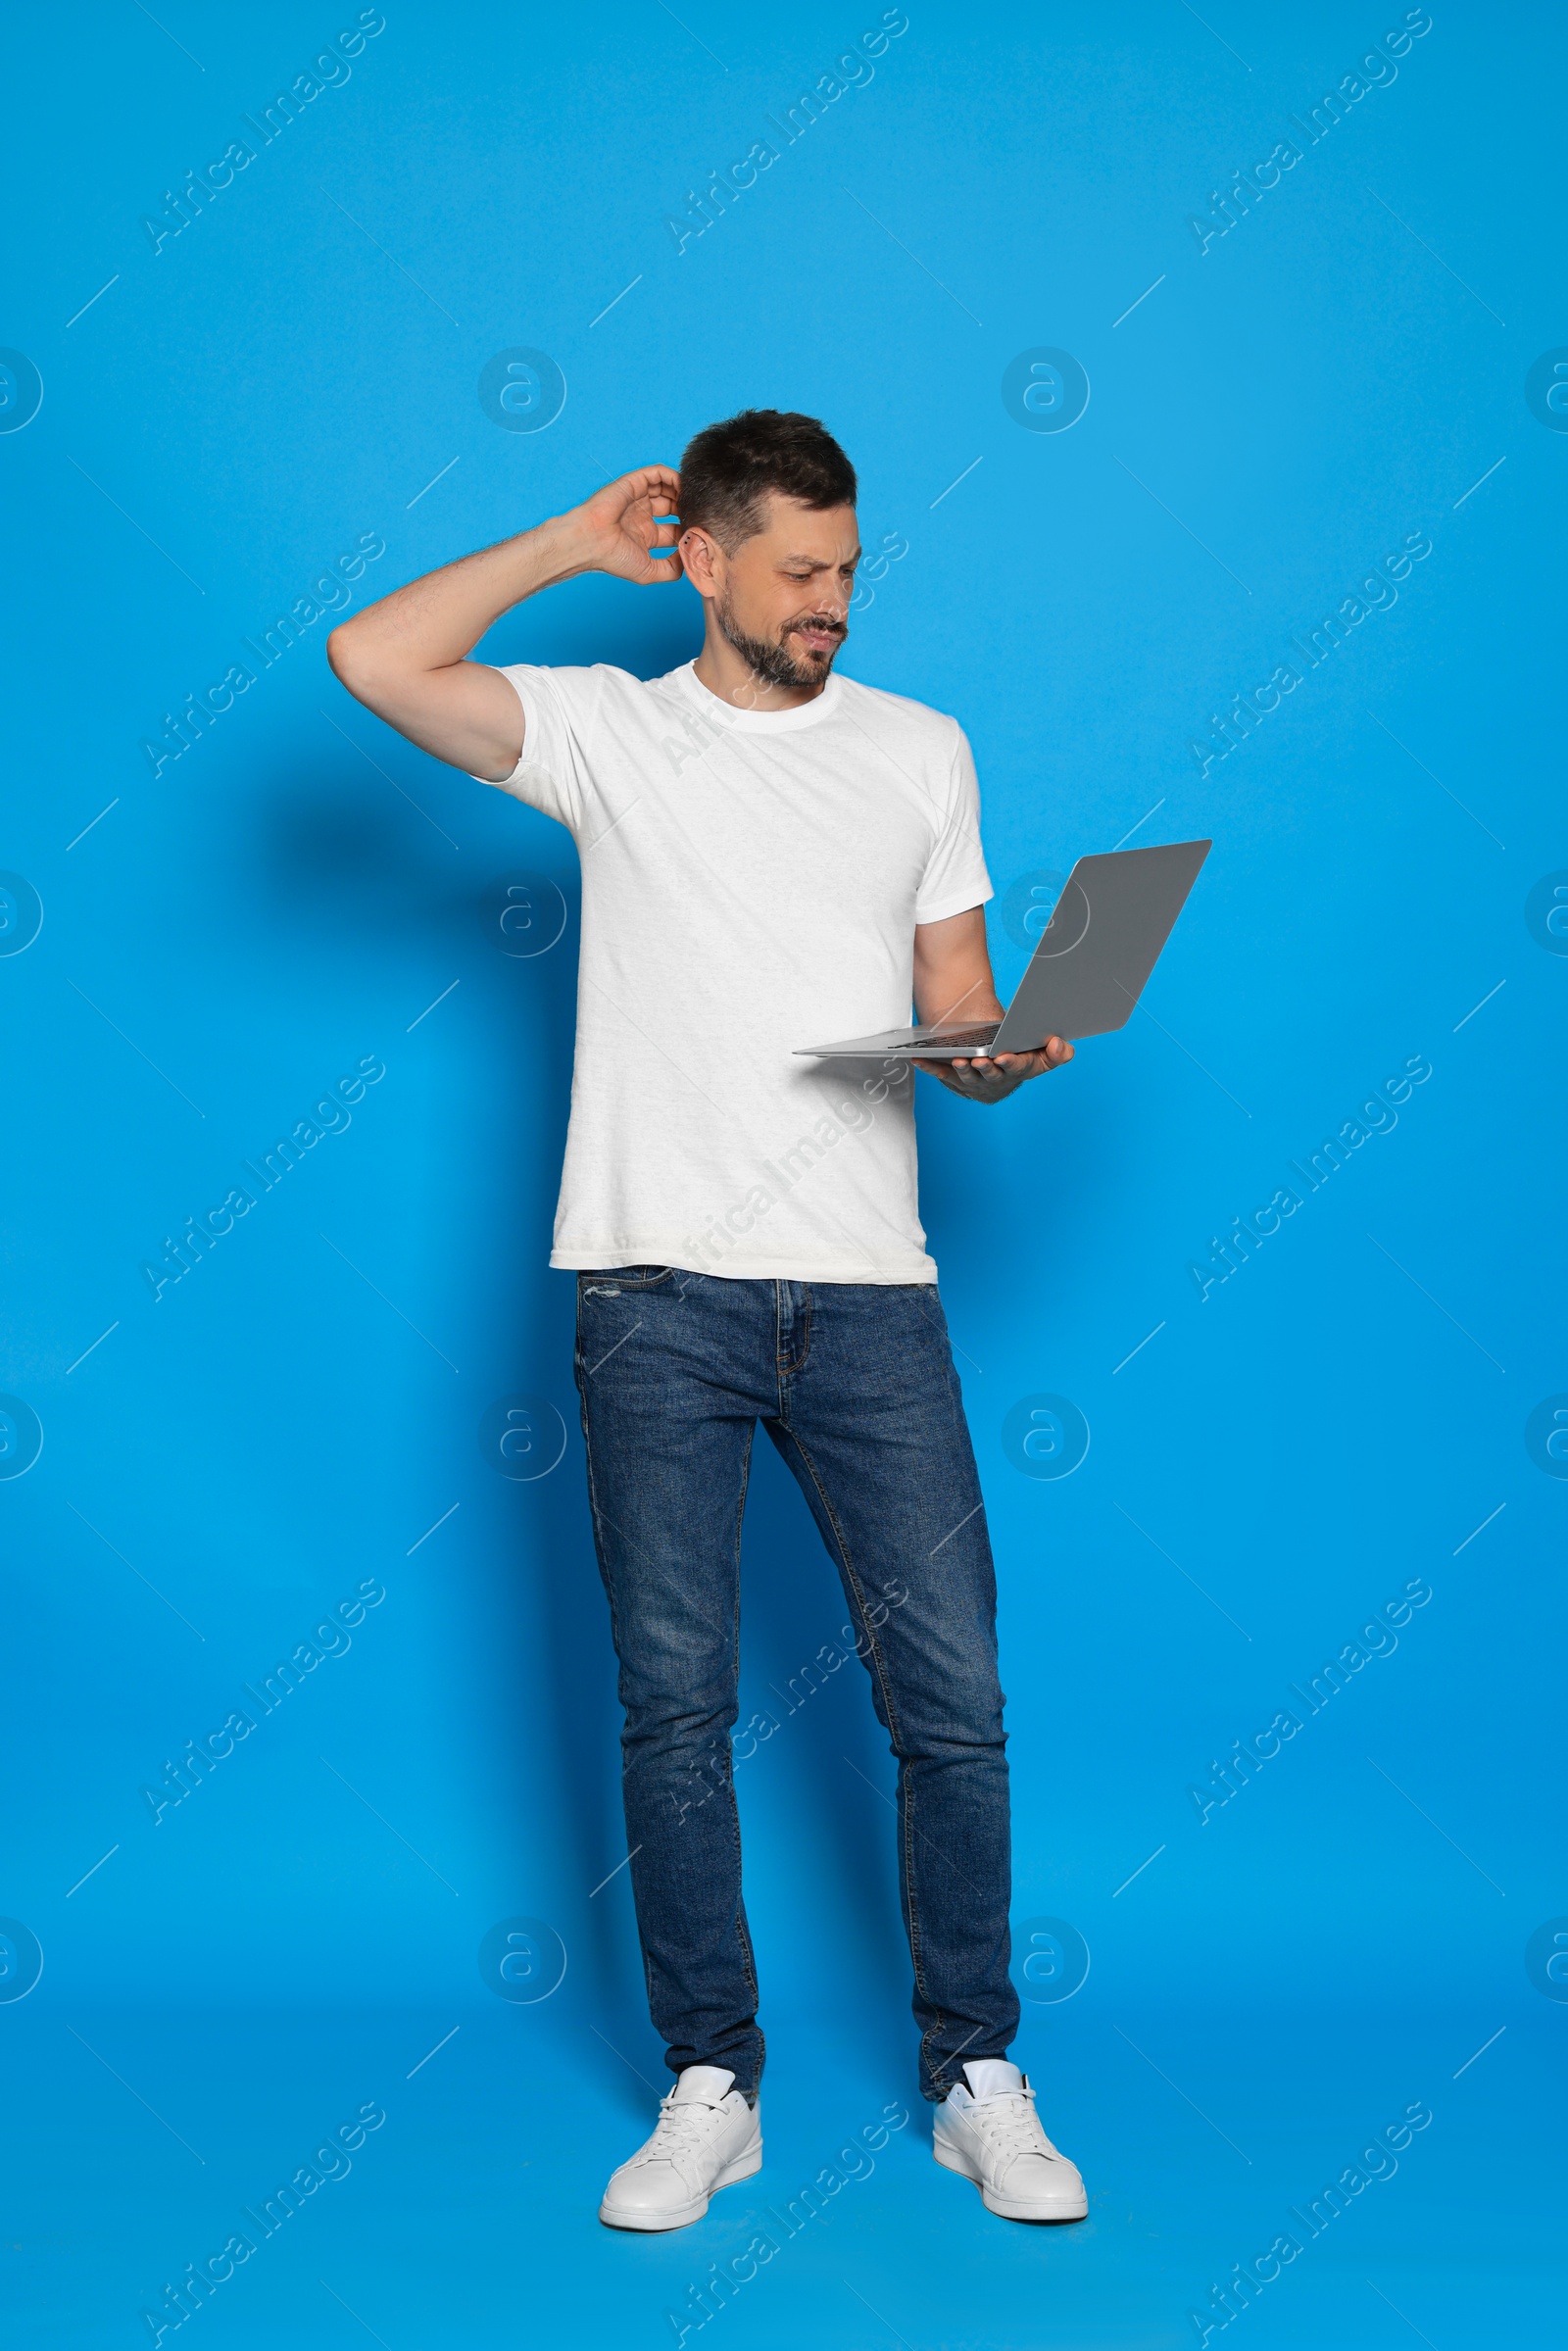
x,y
768,540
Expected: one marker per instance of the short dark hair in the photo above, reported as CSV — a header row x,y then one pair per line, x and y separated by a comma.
x,y
729,470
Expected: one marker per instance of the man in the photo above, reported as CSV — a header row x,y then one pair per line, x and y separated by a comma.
x,y
771,856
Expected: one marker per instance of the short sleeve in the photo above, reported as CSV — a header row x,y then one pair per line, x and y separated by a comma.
x,y
552,774
955,876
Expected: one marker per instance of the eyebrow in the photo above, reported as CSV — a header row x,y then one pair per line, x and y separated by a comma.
x,y
821,565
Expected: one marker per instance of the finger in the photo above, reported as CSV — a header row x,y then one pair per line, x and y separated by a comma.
x,y
654,480
1050,1055
652,486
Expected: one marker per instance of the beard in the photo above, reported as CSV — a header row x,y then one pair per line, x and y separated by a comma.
x,y
773,664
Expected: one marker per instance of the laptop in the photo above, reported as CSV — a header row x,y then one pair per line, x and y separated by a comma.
x,y
1088,971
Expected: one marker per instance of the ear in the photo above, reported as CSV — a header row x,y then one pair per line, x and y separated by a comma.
x,y
703,561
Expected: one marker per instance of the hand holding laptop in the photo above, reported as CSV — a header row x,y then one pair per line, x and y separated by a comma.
x,y
1084,979
991,1077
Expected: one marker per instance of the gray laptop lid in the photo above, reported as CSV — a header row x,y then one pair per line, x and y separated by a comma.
x,y
1104,938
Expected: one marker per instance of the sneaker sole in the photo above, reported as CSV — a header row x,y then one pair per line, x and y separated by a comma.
x,y
744,2167
1008,2208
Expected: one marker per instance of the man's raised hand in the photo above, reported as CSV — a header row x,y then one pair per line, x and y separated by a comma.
x,y
408,660
623,522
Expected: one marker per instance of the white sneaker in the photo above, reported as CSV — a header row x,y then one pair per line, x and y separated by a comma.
x,y
992,2134
708,2137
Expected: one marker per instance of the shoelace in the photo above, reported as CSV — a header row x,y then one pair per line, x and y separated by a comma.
x,y
679,2130
1010,2125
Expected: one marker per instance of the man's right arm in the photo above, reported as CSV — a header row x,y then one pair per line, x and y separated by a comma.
x,y
405,658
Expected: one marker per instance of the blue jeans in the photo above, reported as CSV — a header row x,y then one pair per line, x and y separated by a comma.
x,y
853,1383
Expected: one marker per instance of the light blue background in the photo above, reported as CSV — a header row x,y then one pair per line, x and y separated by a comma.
x,y
228,418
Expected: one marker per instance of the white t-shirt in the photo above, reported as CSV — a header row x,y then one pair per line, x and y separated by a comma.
x,y
751,883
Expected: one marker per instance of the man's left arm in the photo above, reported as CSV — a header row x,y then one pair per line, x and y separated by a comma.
x,y
953,982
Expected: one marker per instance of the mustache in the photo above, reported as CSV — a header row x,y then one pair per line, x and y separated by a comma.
x,y
828,623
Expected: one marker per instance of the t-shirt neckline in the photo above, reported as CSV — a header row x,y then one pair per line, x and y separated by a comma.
x,y
757,722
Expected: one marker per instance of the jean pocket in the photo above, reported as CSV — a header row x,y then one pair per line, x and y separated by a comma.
x,y
612,1280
